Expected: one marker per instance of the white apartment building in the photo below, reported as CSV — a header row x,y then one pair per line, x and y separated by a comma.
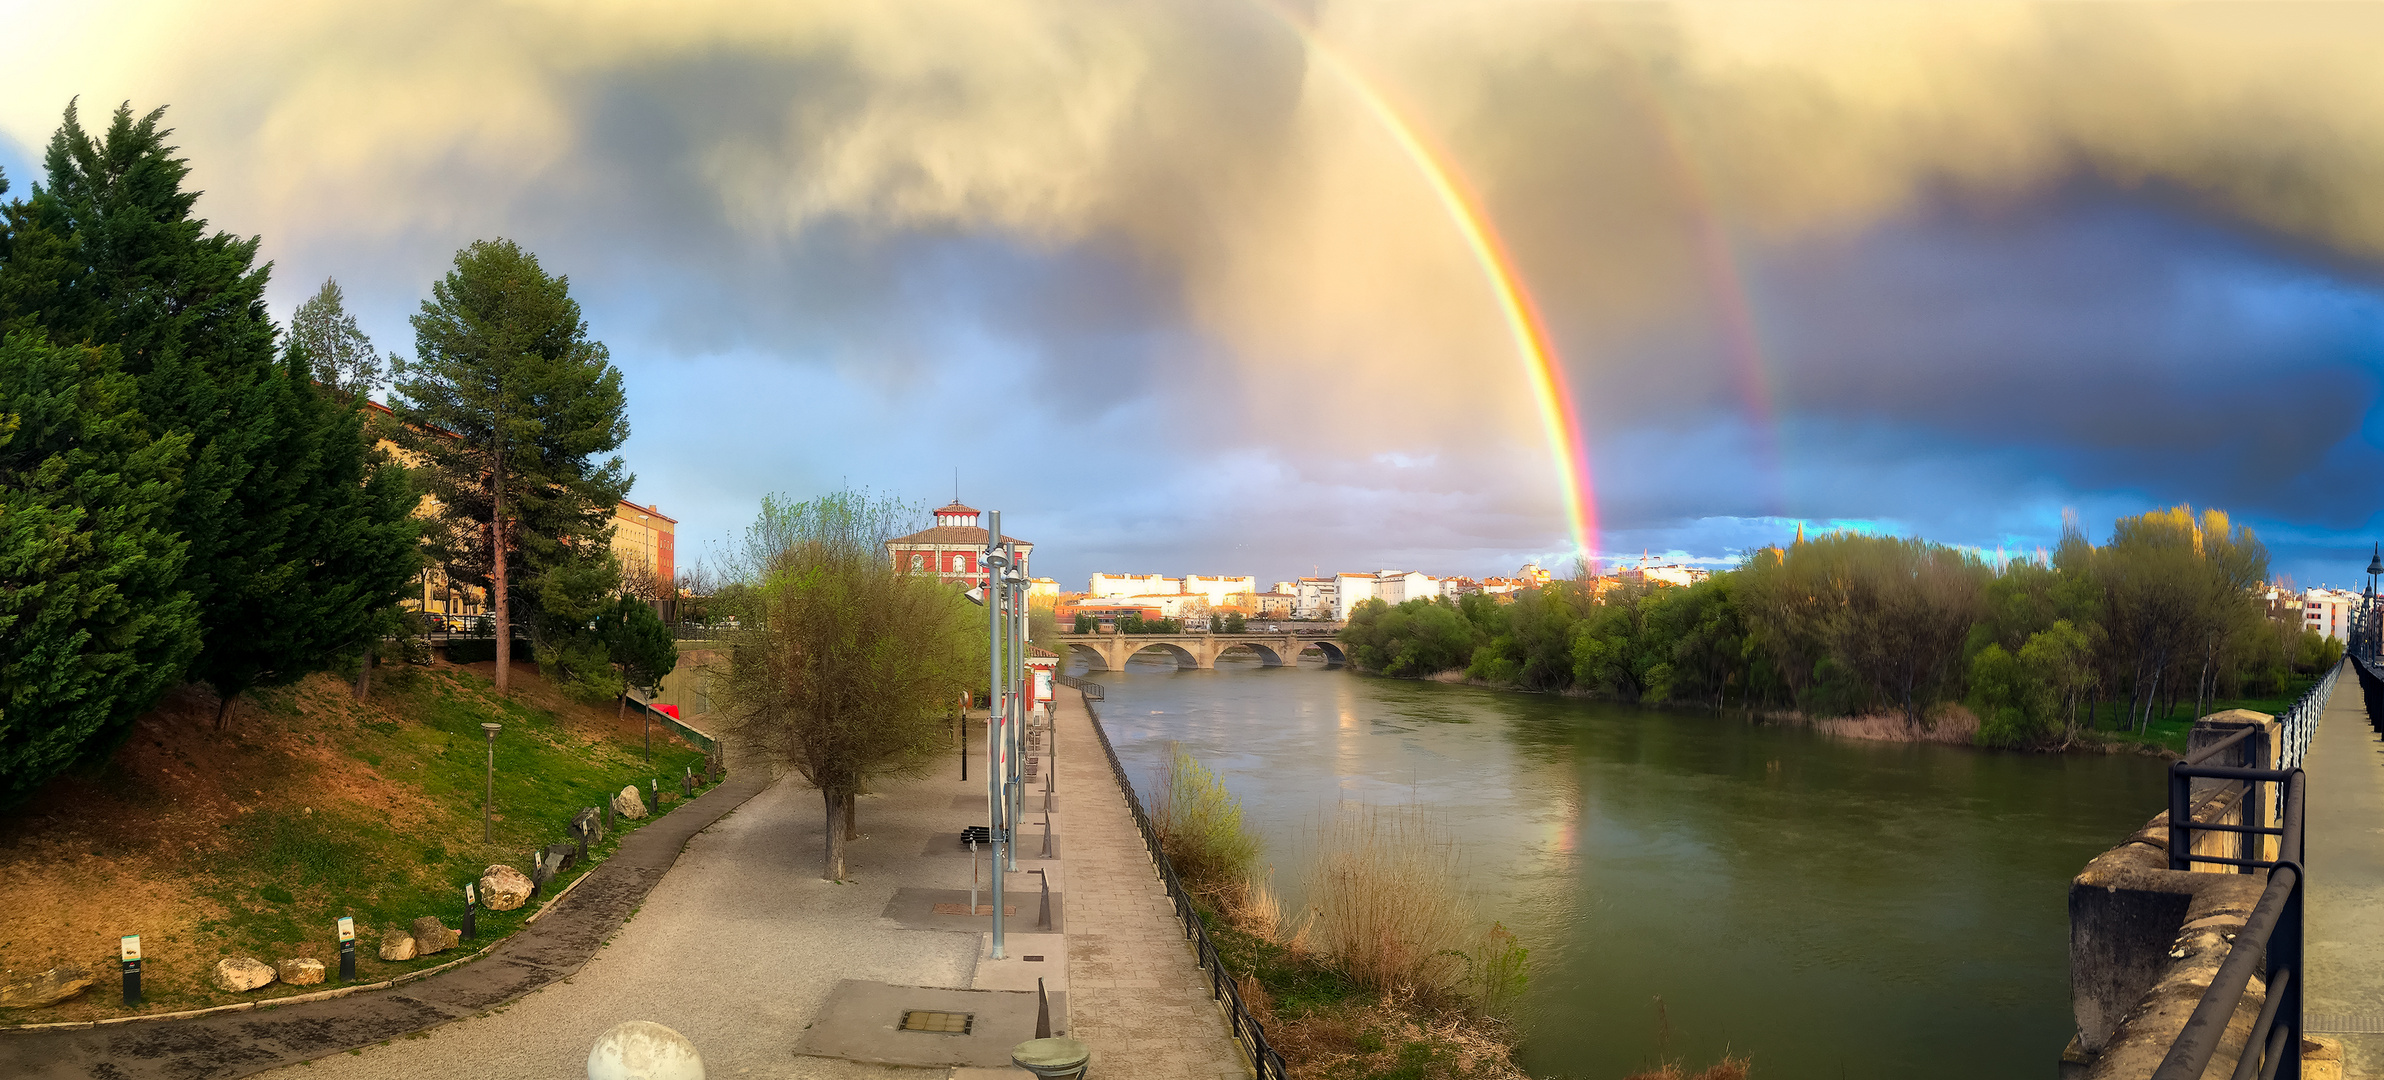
x,y
2328,611
1312,597
1120,586
1222,591
1350,590
1397,587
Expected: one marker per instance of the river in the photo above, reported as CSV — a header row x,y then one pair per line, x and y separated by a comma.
x,y
1691,884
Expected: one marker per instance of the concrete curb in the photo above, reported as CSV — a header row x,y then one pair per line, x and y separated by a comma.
x,y
206,1042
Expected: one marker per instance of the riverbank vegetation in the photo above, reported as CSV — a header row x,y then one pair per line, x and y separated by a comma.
x,y
1385,972
2167,620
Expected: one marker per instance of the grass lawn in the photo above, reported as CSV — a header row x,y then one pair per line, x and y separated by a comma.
x,y
311,806
2169,732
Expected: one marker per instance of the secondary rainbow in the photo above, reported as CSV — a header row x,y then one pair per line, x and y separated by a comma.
x,y
1559,420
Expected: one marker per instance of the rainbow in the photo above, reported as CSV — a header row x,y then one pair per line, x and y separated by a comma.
x,y
1560,420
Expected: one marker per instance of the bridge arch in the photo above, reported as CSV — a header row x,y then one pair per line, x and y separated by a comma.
x,y
1268,653
1184,657
1094,659
1331,650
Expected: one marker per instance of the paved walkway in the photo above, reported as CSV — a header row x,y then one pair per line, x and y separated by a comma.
x,y
231,1044
1136,991
2344,849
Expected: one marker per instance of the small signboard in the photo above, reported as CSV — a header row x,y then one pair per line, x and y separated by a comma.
x,y
132,947
347,928
470,897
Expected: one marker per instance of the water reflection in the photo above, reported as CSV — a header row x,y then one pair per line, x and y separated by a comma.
x,y
1829,907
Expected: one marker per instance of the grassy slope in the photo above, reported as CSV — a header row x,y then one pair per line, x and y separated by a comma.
x,y
312,806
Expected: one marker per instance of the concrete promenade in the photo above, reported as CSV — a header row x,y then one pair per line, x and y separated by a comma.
x,y
742,946
2344,849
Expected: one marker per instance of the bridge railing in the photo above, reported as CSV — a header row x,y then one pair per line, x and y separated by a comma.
x,y
2300,721
1246,1028
2271,939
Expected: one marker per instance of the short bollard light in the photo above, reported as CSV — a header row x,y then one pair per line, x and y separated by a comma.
x,y
347,949
488,832
130,947
471,907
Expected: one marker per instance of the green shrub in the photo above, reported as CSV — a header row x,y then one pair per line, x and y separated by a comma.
x,y
1200,827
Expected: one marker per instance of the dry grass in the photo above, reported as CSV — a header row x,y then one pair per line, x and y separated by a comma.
x,y
1954,724
1384,904
1200,826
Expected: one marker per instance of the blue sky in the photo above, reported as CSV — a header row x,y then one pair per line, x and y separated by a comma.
x,y
1160,290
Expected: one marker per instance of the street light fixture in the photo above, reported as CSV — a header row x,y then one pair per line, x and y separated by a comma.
x,y
488,833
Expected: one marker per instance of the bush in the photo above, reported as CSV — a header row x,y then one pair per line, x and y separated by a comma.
x,y
1200,827
1383,902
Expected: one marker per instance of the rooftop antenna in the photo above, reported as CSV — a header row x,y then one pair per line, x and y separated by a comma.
x,y
955,483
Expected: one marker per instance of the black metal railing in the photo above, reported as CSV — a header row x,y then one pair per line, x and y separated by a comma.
x,y
2371,683
2299,722
2270,942
1246,1027
1092,692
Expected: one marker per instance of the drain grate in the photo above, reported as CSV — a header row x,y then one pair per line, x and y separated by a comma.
x,y
2370,1024
940,1023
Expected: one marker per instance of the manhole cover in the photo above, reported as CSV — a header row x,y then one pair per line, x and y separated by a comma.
x,y
941,1023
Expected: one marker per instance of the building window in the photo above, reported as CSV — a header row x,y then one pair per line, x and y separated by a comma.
x,y
956,563
918,563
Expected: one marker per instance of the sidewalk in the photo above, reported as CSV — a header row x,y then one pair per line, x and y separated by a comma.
x,y
1137,993
2344,850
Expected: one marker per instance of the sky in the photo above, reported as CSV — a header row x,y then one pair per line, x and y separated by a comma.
x,y
1169,282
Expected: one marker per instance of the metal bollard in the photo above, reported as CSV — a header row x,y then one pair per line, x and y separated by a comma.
x,y
1043,921
972,879
1046,834
1042,1010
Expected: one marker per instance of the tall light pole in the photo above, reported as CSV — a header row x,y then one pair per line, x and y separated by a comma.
x,y
488,833
995,560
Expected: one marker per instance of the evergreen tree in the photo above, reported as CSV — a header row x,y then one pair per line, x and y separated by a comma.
x,y
93,623
639,644
509,402
344,360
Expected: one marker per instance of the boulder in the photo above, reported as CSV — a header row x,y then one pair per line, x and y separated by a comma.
x,y
560,857
432,936
237,973
299,971
630,803
503,888
588,826
396,944
42,987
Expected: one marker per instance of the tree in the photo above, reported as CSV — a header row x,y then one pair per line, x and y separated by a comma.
x,y
93,623
850,674
510,402
287,537
344,360
640,647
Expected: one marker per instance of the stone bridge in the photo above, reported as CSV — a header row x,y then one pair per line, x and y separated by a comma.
x,y
1109,652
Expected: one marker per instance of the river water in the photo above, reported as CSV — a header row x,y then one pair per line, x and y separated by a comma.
x,y
1690,884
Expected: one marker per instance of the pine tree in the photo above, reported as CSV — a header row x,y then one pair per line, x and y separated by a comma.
x,y
93,624
344,360
509,402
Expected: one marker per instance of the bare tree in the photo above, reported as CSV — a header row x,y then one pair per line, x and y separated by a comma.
x,y
847,672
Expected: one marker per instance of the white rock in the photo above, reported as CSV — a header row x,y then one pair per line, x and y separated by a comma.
x,y
396,944
639,1050
237,973
300,971
630,803
503,888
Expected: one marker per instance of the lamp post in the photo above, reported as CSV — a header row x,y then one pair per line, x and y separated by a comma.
x,y
2367,638
488,830
996,559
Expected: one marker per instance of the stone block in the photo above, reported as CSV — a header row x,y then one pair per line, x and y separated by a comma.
x,y
299,971
42,987
396,944
239,973
503,888
630,803
432,936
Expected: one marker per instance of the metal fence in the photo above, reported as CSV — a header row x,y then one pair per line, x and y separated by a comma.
x,y
2300,722
1246,1027
2271,939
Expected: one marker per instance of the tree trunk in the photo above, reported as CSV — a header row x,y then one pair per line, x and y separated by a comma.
x,y
835,834
496,532
364,676
852,819
223,709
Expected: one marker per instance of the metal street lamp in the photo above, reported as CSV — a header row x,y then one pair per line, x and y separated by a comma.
x,y
488,832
